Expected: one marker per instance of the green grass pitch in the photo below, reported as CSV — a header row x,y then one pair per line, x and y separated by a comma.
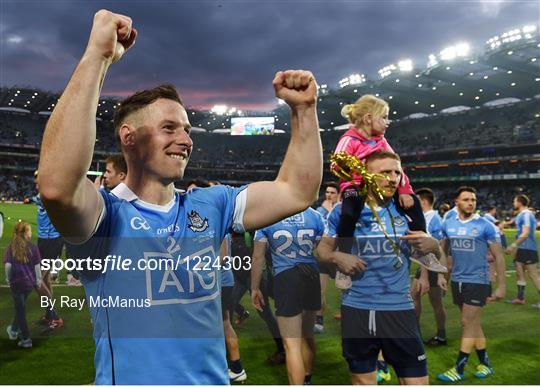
x,y
66,357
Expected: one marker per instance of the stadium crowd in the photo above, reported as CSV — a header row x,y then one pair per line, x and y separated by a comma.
x,y
485,132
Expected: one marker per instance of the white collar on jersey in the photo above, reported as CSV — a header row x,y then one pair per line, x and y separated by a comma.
x,y
475,216
122,191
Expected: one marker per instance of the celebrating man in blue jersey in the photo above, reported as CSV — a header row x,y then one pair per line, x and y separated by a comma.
x,y
468,236
377,312
152,324
296,285
524,248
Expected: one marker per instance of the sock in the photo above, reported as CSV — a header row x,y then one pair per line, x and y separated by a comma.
x,y
461,362
236,366
382,365
521,290
441,333
319,320
307,379
483,357
279,344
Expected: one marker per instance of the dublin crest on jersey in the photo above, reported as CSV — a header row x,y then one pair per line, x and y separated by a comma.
x,y
197,224
399,221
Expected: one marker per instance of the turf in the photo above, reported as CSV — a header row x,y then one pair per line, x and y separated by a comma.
x,y
66,357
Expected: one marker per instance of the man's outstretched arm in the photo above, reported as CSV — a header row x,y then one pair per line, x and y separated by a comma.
x,y
300,175
71,200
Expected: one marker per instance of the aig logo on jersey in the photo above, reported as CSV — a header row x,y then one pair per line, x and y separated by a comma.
x,y
178,285
295,219
197,223
138,223
462,244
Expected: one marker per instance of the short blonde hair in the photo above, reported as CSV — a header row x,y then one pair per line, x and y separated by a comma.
x,y
367,104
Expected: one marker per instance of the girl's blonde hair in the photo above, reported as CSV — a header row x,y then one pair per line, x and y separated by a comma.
x,y
19,245
367,104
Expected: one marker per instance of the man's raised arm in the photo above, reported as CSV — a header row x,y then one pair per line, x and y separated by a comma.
x,y
71,200
300,175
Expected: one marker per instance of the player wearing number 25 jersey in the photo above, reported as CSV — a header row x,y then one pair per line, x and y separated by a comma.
x,y
291,241
297,289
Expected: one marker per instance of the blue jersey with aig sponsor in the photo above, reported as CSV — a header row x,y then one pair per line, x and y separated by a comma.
x,y
174,334
526,219
384,285
227,276
434,224
469,243
45,228
292,241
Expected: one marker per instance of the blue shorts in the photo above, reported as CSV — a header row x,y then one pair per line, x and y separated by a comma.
x,y
470,294
395,333
297,290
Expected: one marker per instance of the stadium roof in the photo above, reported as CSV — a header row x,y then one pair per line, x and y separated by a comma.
x,y
508,67
509,70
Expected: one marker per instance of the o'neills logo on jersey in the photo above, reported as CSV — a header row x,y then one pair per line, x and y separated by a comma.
x,y
197,224
138,223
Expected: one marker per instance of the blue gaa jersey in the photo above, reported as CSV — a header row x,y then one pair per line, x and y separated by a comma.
x,y
324,213
434,224
45,228
292,240
160,325
468,242
227,277
526,219
383,286
450,214
490,217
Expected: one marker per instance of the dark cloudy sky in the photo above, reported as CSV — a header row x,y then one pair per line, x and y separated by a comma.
x,y
228,51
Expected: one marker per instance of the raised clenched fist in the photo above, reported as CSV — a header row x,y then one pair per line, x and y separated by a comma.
x,y
112,35
296,87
